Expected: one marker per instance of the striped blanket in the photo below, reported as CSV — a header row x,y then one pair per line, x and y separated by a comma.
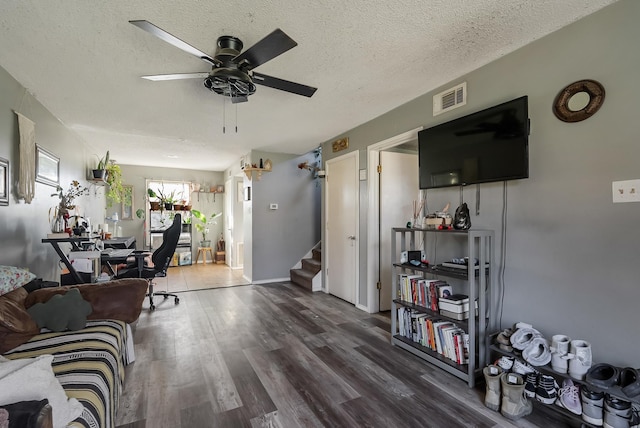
x,y
89,364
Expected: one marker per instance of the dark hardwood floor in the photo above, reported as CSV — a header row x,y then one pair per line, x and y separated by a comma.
x,y
278,356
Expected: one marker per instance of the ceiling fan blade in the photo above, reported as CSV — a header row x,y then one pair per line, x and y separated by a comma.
x,y
236,100
178,76
274,44
283,85
173,40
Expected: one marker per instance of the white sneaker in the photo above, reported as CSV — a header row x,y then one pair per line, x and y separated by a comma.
x,y
505,363
522,368
521,338
569,397
580,359
560,345
537,352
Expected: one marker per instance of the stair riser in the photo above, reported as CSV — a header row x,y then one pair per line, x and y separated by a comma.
x,y
300,280
316,254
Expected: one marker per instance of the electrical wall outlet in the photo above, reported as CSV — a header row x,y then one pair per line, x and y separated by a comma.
x,y
626,191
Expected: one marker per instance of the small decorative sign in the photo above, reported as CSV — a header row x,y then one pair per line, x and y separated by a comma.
x,y
340,144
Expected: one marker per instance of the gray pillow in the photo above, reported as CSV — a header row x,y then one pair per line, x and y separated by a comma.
x,y
62,312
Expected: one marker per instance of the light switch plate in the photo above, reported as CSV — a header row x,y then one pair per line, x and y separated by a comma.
x,y
273,206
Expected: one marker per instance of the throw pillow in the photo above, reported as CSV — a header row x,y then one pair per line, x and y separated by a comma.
x,y
62,312
33,379
12,277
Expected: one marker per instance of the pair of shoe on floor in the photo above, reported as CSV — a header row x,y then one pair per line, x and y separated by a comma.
x,y
605,376
600,409
505,392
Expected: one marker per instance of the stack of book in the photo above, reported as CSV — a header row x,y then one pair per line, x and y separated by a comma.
x,y
455,306
442,336
423,292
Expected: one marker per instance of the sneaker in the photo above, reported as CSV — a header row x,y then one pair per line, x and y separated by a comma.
x,y
547,389
592,406
580,359
617,413
505,363
521,338
569,397
635,417
530,384
537,352
522,368
530,376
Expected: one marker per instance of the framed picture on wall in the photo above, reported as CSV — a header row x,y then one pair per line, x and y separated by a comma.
x,y
4,181
47,167
127,202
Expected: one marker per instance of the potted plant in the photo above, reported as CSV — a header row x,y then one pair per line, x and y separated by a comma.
x,y
100,172
155,205
203,224
116,191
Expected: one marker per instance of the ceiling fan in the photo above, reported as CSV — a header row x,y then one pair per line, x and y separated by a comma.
x,y
232,72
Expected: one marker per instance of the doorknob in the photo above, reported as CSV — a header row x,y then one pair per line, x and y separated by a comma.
x,y
351,237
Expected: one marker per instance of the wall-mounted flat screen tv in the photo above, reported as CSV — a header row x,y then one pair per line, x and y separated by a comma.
x,y
489,145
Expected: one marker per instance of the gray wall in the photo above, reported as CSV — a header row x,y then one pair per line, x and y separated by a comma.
x,y
137,176
570,252
281,237
22,226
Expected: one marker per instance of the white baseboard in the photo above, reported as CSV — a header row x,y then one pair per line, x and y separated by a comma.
x,y
267,281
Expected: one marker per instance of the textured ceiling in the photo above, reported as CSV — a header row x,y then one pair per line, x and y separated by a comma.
x,y
83,61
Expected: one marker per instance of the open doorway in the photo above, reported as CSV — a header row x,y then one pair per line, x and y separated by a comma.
x,y
391,193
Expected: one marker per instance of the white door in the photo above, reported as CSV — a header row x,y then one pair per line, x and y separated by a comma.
x,y
398,189
228,222
342,226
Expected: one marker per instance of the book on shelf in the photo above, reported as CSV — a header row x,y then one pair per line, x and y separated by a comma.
x,y
457,308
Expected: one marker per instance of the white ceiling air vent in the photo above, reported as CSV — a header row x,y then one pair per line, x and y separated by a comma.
x,y
450,99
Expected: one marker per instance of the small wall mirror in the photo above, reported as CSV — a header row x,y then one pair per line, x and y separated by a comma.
x,y
578,101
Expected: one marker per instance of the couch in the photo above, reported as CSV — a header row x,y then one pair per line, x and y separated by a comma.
x,y
87,363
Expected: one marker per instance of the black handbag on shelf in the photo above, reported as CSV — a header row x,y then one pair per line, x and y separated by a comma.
x,y
462,219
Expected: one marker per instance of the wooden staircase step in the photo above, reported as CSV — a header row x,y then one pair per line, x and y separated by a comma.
x,y
303,278
317,254
311,265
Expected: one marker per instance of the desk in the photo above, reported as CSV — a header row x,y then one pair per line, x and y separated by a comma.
x,y
121,256
123,242
55,243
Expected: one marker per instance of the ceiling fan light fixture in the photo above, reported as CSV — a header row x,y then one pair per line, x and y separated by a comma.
x,y
230,82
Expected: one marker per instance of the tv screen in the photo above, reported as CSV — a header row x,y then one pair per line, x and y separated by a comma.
x,y
490,145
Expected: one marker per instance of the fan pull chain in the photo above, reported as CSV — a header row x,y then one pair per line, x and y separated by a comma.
x,y
224,114
236,118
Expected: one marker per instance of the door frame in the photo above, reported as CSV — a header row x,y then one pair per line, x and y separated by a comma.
x,y
373,217
328,217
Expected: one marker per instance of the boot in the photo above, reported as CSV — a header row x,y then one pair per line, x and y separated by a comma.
x,y
559,353
514,404
580,359
492,379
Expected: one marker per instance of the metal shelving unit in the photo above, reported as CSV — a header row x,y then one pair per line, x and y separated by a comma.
x,y
478,245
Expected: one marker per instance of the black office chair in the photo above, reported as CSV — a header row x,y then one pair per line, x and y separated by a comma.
x,y
160,258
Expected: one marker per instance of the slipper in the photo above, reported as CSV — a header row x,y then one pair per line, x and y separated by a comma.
x,y
630,382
